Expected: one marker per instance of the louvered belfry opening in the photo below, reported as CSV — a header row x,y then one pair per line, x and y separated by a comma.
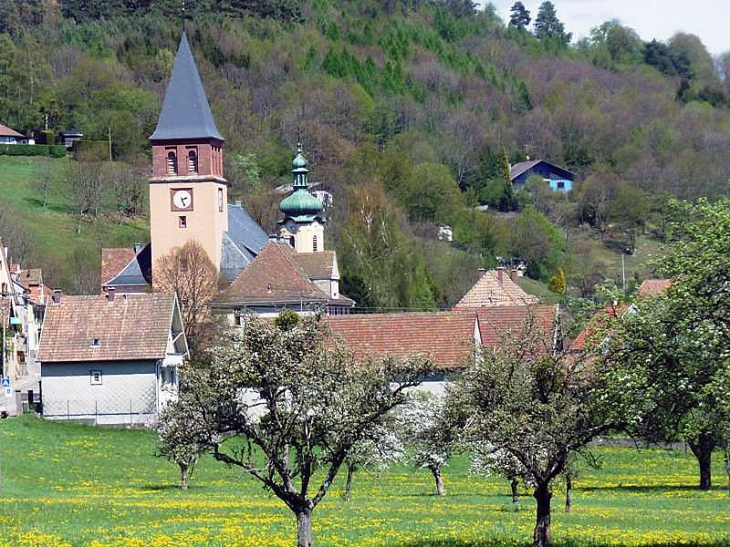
x,y
192,162
171,163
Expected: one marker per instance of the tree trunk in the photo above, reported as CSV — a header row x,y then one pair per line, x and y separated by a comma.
x,y
440,490
183,476
568,493
348,482
702,449
726,461
515,494
304,528
542,526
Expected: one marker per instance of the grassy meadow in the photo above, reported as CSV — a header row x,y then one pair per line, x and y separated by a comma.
x,y
53,230
64,484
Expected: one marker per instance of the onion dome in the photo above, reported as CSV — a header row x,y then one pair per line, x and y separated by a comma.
x,y
301,206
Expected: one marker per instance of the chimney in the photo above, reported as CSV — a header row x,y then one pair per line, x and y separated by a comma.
x,y
56,296
500,274
110,293
527,157
513,275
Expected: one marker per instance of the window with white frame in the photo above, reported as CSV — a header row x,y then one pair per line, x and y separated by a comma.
x,y
95,377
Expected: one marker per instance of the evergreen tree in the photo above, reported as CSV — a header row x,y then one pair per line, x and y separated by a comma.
x,y
520,17
550,29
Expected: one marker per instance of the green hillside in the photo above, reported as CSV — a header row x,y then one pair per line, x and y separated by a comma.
x,y
68,250
410,111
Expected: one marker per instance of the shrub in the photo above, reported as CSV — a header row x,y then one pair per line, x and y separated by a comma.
x,y
32,150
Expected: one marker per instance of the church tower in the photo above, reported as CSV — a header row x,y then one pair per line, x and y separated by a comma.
x,y
303,222
188,193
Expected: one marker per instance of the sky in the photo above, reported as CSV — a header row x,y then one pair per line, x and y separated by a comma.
x,y
658,19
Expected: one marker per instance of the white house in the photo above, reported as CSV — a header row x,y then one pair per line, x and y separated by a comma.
x,y
110,360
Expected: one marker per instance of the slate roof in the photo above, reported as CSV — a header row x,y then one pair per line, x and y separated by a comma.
x,y
519,168
491,291
319,265
498,323
114,261
243,241
185,111
132,327
273,277
446,337
6,131
136,272
654,287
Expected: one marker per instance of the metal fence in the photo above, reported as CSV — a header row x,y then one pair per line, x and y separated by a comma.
x,y
114,410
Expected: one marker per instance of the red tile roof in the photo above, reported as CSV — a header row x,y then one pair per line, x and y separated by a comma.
x,y
653,287
317,265
597,323
274,276
5,131
113,261
133,327
498,323
446,337
495,288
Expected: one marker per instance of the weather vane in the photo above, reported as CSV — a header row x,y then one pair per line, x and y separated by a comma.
x,y
182,14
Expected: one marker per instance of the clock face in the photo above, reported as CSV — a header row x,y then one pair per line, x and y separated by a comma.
x,y
182,200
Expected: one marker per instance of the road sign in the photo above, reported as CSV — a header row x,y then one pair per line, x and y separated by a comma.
x,y
5,382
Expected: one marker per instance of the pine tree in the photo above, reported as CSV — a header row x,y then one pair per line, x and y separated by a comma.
x,y
549,28
520,17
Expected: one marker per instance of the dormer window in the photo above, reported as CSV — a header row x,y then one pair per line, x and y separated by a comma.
x,y
95,343
171,163
192,162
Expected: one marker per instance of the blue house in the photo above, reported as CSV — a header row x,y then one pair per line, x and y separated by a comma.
x,y
560,180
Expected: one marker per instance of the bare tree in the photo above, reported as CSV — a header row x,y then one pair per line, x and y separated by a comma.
x,y
86,184
306,404
189,272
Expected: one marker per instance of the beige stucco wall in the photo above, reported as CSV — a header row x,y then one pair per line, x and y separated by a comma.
x,y
205,223
304,235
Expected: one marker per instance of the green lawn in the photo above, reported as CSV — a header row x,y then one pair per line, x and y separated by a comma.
x,y
67,484
54,230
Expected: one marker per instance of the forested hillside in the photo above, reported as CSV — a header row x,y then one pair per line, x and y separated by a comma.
x,y
408,110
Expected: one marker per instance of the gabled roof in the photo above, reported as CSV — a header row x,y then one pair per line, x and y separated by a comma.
x,y
446,337
6,131
114,261
185,112
495,288
598,323
131,327
319,265
273,277
519,168
135,272
30,277
654,287
498,323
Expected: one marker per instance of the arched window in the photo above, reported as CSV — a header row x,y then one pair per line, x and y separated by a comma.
x,y
192,162
314,244
171,163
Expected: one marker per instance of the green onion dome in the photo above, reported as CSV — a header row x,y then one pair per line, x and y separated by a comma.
x,y
302,206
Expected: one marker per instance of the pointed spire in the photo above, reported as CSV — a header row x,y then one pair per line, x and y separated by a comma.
x,y
185,112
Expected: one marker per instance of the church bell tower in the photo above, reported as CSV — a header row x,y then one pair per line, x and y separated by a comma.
x,y
188,193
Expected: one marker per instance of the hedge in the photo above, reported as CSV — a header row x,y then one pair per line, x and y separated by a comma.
x,y
54,151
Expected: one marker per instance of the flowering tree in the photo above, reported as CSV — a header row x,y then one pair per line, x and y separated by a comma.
x,y
288,408
667,364
487,459
376,454
535,404
425,425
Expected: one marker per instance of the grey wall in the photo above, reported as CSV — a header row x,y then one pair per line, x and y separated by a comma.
x,y
127,394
